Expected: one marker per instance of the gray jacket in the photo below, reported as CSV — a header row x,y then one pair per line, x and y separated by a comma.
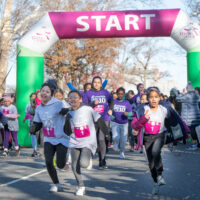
x,y
190,112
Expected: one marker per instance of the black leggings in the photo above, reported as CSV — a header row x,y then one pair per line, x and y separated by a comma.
x,y
193,132
49,152
153,145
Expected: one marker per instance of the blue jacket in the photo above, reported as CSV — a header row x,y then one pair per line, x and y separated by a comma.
x,y
190,112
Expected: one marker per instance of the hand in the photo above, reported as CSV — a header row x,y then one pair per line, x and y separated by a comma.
x,y
147,114
135,133
125,113
24,120
110,112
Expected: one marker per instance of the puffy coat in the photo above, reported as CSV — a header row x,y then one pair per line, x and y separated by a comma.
x,y
190,112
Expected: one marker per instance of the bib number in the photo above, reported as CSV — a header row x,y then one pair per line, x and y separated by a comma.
x,y
82,131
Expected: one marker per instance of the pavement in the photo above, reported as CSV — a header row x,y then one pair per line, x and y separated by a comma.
x,y
26,178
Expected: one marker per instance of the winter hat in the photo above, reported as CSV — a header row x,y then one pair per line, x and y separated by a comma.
x,y
150,89
138,85
52,84
189,87
174,91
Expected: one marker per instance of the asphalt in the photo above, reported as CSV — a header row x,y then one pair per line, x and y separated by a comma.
x,y
25,178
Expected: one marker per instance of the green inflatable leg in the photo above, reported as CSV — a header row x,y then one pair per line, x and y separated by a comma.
x,y
193,64
30,74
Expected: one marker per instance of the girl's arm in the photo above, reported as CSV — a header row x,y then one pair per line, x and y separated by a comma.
x,y
104,84
71,87
138,123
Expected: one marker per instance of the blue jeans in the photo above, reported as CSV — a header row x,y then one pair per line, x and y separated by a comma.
x,y
119,134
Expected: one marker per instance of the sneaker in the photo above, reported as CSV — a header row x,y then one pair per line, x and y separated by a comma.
x,y
17,152
55,188
155,190
160,180
80,191
66,167
192,147
115,147
122,156
90,165
5,153
34,154
102,165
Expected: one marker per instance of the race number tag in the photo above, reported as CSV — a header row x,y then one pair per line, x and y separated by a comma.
x,y
48,132
6,111
152,127
99,108
82,131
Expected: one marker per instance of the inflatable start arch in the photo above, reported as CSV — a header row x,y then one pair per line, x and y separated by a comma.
x,y
99,24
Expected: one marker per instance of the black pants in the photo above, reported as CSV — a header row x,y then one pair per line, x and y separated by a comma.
x,y
153,145
130,134
101,144
193,132
49,152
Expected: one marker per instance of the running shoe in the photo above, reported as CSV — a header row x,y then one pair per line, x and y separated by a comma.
x,y
192,147
155,190
122,156
66,167
17,152
5,153
80,191
55,188
115,147
34,154
161,180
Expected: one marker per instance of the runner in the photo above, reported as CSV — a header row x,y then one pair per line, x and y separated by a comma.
x,y
119,124
79,124
10,111
101,101
150,123
29,115
56,141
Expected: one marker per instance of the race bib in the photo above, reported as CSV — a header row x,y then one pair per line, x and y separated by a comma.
x,y
99,108
48,132
82,131
152,127
6,111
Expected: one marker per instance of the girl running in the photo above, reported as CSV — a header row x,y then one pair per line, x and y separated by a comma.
x,y
153,118
101,101
79,124
29,116
119,124
10,111
56,141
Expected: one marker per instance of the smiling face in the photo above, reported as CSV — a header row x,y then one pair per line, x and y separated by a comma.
x,y
154,99
7,102
45,94
97,84
74,100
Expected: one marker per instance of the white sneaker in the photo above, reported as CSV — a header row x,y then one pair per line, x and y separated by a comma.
x,y
55,188
80,191
115,147
90,165
122,156
161,180
155,190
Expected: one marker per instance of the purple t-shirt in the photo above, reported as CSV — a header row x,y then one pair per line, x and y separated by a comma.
x,y
118,111
136,99
103,96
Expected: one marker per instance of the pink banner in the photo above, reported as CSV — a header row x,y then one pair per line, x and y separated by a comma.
x,y
102,24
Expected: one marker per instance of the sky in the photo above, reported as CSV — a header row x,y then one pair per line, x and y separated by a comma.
x,y
173,61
